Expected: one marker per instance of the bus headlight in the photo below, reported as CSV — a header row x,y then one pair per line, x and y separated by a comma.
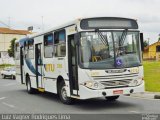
x,y
88,84
93,85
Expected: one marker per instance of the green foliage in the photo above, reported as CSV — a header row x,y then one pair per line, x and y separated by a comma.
x,y
11,48
152,76
145,43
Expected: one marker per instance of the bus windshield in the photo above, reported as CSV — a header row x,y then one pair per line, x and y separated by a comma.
x,y
109,49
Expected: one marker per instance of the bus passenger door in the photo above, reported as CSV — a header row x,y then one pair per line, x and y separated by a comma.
x,y
39,65
72,66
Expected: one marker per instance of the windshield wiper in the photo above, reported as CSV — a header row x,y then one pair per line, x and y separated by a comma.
x,y
123,37
121,41
103,38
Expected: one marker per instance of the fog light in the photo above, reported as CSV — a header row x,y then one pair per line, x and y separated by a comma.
x,y
96,85
135,82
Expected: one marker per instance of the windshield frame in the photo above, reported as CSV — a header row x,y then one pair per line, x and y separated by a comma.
x,y
115,67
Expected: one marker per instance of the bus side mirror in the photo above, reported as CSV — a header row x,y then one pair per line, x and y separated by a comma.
x,y
76,38
142,42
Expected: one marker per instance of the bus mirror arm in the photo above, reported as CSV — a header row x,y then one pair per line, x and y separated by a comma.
x,y
142,41
76,38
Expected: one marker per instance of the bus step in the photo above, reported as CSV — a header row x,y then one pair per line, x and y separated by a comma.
x,y
41,89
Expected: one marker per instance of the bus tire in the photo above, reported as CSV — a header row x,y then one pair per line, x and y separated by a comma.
x,y
112,98
30,90
63,94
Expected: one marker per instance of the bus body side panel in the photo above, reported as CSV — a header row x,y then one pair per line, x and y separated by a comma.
x,y
53,68
28,65
56,67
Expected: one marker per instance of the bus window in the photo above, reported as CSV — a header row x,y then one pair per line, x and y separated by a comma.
x,y
48,46
30,53
59,43
26,45
30,44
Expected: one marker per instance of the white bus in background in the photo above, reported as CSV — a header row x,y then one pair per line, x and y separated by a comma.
x,y
87,58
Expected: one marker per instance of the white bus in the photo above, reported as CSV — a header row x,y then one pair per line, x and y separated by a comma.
x,y
87,58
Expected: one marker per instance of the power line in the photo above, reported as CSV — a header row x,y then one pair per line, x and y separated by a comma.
x,y
4,23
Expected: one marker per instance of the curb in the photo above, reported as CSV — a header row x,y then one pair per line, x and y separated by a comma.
x,y
149,95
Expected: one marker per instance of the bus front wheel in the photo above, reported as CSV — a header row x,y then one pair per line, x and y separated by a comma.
x,y
112,98
63,94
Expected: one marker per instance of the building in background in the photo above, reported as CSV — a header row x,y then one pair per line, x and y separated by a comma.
x,y
6,35
152,52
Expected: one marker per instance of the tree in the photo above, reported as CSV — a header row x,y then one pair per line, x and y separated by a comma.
x,y
11,48
145,43
159,39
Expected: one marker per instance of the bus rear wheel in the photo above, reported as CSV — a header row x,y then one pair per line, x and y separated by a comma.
x,y
30,90
63,94
112,98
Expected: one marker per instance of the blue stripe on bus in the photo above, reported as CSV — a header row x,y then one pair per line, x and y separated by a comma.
x,y
31,67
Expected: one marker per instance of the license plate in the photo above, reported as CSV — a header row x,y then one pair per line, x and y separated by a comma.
x,y
118,92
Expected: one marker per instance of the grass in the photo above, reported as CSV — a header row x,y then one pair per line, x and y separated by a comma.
x,y
152,76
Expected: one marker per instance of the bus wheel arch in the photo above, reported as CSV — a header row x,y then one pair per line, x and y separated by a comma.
x,y
59,80
62,92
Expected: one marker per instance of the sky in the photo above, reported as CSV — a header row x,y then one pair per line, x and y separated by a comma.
x,y
46,14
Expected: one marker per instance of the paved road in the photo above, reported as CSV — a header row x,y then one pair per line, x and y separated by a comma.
x,y
15,99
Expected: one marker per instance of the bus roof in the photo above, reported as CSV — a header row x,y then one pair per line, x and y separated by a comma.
x,y
75,22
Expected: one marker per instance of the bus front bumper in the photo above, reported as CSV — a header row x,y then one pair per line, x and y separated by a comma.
x,y
86,93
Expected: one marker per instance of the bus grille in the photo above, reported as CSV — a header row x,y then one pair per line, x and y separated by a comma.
x,y
122,80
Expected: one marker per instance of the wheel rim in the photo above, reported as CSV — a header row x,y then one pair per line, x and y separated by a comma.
x,y
64,93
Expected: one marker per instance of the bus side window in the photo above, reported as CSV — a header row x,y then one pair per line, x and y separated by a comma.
x,y
30,53
48,46
60,43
